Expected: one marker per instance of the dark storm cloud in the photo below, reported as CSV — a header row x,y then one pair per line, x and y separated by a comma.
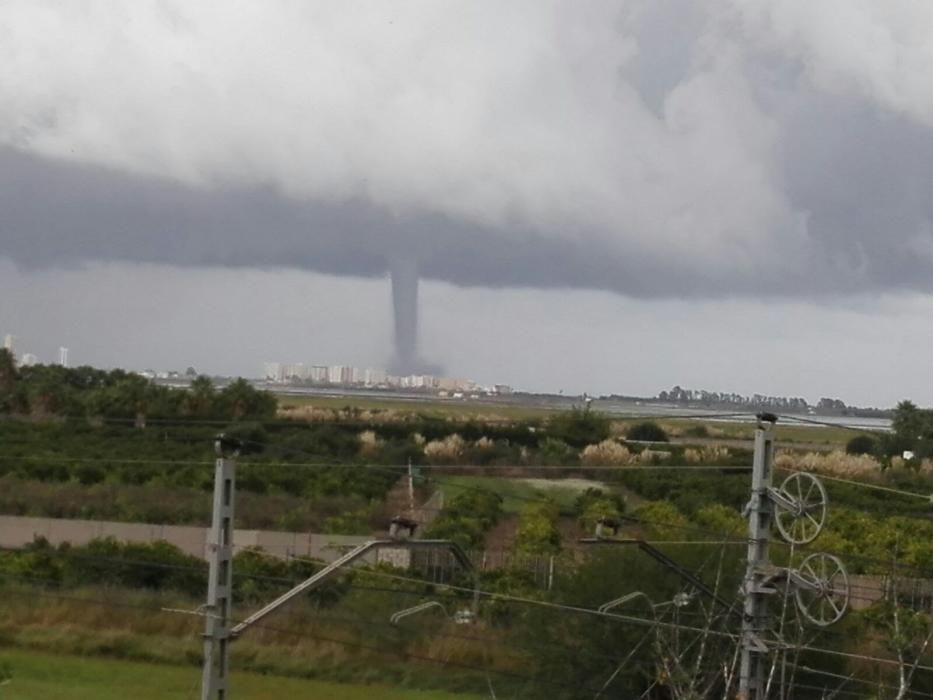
x,y
650,148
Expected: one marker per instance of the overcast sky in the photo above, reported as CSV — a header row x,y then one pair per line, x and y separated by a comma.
x,y
602,196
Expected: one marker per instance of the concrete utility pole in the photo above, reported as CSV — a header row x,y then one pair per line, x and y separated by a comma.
x,y
220,577
752,670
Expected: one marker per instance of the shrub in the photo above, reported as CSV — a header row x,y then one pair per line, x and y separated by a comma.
x,y
537,531
370,445
467,518
836,463
446,450
556,453
593,504
697,431
706,455
579,427
653,456
862,445
648,431
607,453
662,519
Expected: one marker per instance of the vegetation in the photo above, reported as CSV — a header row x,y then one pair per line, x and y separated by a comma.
x,y
104,452
52,390
537,531
467,517
862,445
42,676
647,431
579,427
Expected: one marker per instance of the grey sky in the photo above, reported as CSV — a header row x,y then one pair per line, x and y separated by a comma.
x,y
707,159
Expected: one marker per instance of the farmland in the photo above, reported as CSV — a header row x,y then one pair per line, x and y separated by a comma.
x,y
29,675
520,492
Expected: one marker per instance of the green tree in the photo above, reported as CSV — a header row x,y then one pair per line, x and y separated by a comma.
x,y
241,400
537,531
7,380
862,445
579,427
199,400
647,431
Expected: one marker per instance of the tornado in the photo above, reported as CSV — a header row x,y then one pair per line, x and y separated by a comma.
x,y
404,273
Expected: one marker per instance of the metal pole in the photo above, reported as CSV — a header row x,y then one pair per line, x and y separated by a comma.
x,y
220,577
411,490
752,670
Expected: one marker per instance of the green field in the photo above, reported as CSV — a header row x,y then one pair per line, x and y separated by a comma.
x,y
463,409
516,493
37,676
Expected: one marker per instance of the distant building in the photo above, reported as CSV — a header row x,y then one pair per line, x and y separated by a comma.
x,y
28,359
374,377
273,372
339,374
9,343
63,356
344,375
296,371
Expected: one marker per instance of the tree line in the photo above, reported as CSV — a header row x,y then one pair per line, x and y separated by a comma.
x,y
53,390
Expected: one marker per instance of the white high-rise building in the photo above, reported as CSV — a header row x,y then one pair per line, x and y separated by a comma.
x,y
63,356
374,377
273,372
9,342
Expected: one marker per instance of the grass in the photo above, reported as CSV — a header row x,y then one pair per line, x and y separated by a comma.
x,y
463,409
785,432
349,643
516,493
39,676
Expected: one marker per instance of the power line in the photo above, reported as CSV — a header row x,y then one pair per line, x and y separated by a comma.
x,y
829,424
317,637
864,484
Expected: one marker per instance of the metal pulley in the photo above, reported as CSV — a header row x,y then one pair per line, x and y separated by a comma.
x,y
800,507
821,588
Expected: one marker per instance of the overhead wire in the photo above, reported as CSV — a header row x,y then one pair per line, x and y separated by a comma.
x,y
395,651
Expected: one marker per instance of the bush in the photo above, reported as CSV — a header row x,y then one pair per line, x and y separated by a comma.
x,y
835,463
467,518
862,445
607,453
593,504
557,453
537,531
697,431
446,450
579,427
648,431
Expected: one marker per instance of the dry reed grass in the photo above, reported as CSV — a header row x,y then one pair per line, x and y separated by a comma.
x,y
835,463
447,449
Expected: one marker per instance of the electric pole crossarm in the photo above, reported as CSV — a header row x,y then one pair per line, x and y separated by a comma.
x,y
308,584
347,559
667,562
694,581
